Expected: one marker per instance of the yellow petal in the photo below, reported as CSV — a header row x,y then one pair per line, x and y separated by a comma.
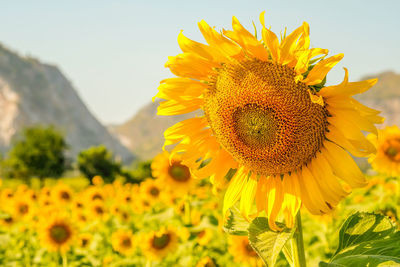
x,y
318,73
343,165
234,190
270,40
248,195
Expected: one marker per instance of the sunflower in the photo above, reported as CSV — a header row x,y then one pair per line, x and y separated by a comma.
x,y
242,251
387,158
157,245
62,194
57,234
269,116
173,173
98,210
84,240
123,242
204,236
206,262
151,191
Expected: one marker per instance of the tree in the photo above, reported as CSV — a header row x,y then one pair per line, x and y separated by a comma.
x,y
38,152
98,160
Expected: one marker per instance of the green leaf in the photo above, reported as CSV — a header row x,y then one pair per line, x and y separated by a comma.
x,y
236,224
367,239
267,243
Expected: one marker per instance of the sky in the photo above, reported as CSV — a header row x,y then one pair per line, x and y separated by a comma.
x,y
114,52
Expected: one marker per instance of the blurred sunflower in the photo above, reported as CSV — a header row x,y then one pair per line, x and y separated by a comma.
x,y
151,191
267,114
22,207
57,233
84,240
205,236
387,158
157,245
98,210
123,242
206,262
173,173
241,250
62,193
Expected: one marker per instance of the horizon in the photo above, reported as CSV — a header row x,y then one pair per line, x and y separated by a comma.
x,y
114,59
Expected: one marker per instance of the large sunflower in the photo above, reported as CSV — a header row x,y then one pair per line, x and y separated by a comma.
x,y
387,158
267,114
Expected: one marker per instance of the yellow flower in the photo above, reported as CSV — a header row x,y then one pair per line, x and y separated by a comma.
x,y
157,245
62,194
98,210
242,251
205,236
57,233
123,242
97,180
84,240
151,191
387,158
268,115
206,262
172,173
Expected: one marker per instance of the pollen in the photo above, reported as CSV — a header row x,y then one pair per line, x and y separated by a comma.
x,y
263,118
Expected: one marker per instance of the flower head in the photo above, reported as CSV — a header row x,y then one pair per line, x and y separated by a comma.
x,y
269,116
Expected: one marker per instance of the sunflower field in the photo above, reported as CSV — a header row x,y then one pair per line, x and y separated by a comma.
x,y
265,173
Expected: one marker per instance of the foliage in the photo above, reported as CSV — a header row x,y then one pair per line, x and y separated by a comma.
x,y
40,152
367,239
98,160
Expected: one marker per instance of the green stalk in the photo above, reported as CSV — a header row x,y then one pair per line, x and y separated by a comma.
x,y
299,258
64,260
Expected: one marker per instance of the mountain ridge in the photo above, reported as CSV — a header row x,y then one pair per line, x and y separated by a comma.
x,y
34,93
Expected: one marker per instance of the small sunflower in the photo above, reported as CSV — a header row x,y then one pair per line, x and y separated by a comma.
x,y
269,116
123,242
157,245
206,262
57,234
98,210
151,191
204,236
241,250
173,173
62,194
84,240
387,158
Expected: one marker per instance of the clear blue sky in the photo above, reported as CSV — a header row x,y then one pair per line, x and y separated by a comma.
x,y
114,51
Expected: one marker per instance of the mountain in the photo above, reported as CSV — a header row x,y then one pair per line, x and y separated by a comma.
x,y
143,133
384,96
32,93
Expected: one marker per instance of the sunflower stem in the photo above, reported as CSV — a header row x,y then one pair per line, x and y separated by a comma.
x,y
299,258
64,260
187,215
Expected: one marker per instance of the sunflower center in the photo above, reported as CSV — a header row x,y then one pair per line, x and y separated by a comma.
x,y
65,195
160,242
179,172
263,118
393,150
126,242
23,209
250,251
154,191
59,233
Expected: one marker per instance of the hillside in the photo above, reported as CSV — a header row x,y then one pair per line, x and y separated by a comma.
x,y
143,134
32,93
